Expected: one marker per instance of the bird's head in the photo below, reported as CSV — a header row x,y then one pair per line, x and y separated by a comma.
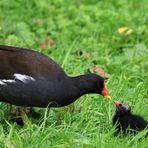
x,y
122,109
97,84
92,83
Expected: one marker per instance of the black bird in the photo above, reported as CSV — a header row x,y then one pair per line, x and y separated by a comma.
x,y
126,122
29,78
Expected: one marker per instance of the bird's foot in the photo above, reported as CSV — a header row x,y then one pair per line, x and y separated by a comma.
x,y
28,110
15,116
31,112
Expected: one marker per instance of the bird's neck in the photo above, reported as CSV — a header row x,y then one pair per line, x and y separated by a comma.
x,y
83,85
120,114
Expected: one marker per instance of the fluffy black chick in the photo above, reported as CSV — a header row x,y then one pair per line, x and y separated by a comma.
x,y
125,122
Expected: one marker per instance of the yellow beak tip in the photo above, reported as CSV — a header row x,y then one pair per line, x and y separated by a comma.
x,y
108,97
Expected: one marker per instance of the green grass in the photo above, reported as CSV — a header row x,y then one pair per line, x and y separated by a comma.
x,y
90,26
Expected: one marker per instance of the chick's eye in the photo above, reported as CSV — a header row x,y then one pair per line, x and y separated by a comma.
x,y
120,104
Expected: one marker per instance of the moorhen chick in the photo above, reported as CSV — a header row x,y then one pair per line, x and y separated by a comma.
x,y
29,78
126,122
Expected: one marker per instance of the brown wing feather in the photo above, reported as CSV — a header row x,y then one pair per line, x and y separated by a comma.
x,y
25,61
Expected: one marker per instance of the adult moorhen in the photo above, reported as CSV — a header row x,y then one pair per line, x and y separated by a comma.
x,y
29,78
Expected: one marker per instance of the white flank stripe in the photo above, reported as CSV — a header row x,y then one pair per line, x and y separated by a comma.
x,y
23,78
2,83
8,81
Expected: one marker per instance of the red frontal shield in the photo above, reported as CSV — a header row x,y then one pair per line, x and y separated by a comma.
x,y
105,92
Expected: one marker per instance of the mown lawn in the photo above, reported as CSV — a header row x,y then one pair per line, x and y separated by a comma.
x,y
79,35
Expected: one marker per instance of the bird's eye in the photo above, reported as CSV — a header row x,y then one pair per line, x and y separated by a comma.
x,y
120,104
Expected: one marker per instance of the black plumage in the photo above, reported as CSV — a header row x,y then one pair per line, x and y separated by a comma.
x,y
126,122
29,78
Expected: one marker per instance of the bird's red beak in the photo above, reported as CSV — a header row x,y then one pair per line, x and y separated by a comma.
x,y
105,93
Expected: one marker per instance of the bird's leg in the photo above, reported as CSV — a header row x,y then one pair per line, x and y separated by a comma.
x,y
16,111
9,107
16,116
32,113
28,110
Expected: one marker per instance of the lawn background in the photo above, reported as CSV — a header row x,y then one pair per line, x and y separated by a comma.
x,y
78,35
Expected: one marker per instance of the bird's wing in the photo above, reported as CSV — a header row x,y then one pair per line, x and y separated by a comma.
x,y
21,61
